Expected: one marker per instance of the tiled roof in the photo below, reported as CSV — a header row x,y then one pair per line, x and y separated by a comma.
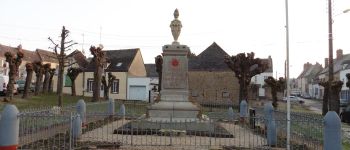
x,y
48,56
120,60
29,56
79,58
211,59
311,72
151,70
338,64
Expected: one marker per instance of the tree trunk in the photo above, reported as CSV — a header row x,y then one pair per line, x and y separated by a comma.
x,y
38,83
73,88
60,82
97,83
325,101
105,92
50,89
274,97
27,84
46,81
10,85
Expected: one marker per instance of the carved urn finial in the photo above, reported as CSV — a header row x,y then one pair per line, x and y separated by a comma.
x,y
176,27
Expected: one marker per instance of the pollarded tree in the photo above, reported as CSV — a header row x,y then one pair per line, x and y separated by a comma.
x,y
276,86
107,85
27,85
52,72
47,68
73,73
39,71
329,104
159,67
59,51
99,60
245,67
14,63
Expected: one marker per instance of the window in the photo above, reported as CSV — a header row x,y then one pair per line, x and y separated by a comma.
x,y
90,83
67,81
115,86
225,94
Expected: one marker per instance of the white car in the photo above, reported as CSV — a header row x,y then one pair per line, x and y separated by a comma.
x,y
293,99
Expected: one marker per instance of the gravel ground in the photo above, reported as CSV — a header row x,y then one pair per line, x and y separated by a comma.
x,y
243,138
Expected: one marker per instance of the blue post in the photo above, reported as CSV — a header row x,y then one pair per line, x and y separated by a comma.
x,y
122,110
111,105
76,124
230,114
81,110
332,131
270,124
243,111
9,127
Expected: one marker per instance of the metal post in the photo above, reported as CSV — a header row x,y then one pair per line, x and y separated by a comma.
x,y
287,78
81,110
9,127
332,131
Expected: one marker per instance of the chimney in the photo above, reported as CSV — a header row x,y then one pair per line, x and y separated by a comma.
x,y
339,54
307,66
326,62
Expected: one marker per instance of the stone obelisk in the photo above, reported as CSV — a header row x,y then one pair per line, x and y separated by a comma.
x,y
174,104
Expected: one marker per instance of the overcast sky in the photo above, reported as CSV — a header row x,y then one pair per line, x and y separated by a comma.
x,y
237,26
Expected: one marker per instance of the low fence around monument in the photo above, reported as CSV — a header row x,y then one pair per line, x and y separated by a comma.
x,y
48,128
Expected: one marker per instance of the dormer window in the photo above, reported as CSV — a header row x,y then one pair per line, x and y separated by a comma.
x,y
119,64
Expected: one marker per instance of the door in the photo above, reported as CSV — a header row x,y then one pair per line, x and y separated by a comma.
x,y
137,93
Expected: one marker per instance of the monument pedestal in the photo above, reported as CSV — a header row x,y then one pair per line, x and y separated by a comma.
x,y
174,104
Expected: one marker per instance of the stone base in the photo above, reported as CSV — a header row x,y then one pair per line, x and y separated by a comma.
x,y
176,111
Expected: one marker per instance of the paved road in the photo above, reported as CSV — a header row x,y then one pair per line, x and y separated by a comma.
x,y
314,105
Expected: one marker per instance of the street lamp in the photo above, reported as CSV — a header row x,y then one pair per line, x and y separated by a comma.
x,y
330,52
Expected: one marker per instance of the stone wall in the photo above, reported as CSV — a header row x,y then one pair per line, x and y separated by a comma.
x,y
213,86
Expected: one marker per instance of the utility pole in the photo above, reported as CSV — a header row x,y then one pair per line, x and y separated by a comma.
x,y
330,53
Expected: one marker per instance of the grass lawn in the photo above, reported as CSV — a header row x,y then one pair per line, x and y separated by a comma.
x,y
42,100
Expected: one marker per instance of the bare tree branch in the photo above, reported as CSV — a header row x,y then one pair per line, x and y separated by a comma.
x,y
52,41
71,64
70,45
68,42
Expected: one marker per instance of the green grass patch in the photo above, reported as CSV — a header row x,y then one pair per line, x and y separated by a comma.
x,y
346,146
42,100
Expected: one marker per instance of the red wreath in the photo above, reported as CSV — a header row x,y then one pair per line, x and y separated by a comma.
x,y
174,62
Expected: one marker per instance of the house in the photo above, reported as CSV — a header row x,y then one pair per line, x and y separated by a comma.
x,y
307,79
339,71
209,77
344,93
75,59
29,56
128,67
154,81
259,80
47,57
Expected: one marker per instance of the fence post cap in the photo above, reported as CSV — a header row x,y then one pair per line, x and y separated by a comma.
x,y
10,111
332,118
81,101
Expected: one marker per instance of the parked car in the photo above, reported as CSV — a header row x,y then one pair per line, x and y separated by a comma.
x,y
3,85
344,102
21,84
293,99
345,114
306,96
